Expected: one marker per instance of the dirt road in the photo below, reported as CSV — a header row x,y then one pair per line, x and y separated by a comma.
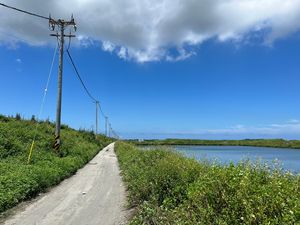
x,y
95,195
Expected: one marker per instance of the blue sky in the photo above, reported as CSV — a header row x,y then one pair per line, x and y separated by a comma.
x,y
215,89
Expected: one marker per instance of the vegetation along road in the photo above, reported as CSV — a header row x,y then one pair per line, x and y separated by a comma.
x,y
95,195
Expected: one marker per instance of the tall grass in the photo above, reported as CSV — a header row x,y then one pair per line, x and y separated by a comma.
x,y
19,180
168,188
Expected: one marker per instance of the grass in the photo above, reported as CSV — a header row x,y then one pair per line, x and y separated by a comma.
x,y
167,188
276,143
20,181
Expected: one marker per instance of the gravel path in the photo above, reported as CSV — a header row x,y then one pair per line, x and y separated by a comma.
x,y
95,195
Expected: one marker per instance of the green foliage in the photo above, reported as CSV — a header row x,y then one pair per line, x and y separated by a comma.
x,y
168,188
18,116
276,143
20,181
33,118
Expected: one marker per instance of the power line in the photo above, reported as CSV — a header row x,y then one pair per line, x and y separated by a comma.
x,y
62,24
90,95
24,11
103,114
42,106
79,77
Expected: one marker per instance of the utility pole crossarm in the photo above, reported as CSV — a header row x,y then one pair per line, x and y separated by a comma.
x,y
53,23
65,35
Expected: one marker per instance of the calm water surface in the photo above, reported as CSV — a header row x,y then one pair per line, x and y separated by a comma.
x,y
289,158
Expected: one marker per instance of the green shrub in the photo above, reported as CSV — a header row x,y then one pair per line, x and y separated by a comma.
x,y
168,188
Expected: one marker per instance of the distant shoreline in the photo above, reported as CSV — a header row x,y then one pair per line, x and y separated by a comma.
x,y
274,143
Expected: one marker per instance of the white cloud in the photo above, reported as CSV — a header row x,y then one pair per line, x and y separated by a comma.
x,y
293,121
122,53
84,41
182,55
108,46
291,127
286,130
145,30
18,60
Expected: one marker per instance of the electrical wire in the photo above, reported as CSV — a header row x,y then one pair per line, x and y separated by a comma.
x,y
84,86
80,79
24,11
86,89
103,114
69,43
47,84
49,76
42,104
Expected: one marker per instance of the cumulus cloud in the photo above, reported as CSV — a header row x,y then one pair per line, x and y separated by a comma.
x,y
146,30
108,46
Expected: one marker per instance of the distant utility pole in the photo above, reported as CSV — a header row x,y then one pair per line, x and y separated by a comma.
x,y
106,126
61,25
96,131
109,130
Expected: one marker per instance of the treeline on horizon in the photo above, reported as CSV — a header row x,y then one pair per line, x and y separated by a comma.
x,y
275,143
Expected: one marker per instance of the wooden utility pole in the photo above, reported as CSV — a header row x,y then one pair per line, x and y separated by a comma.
x,y
110,130
96,131
61,25
106,126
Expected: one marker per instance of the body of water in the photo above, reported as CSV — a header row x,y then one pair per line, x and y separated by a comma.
x,y
288,158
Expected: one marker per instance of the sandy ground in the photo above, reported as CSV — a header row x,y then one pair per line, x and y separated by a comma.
x,y
95,195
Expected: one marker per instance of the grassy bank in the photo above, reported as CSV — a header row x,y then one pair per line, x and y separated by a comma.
x,y
20,181
168,188
275,143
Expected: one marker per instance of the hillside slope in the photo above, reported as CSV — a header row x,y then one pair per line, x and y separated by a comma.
x,y
20,181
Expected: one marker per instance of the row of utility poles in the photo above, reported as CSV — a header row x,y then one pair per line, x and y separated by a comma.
x,y
61,26
108,129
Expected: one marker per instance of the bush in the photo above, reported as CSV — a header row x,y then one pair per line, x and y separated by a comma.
x,y
168,188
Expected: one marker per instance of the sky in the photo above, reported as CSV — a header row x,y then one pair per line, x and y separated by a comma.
x,y
206,69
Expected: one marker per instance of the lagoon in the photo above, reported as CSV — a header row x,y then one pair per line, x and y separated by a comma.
x,y
288,158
